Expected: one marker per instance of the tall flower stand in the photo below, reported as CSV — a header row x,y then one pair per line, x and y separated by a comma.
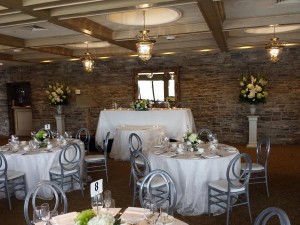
x,y
60,123
252,131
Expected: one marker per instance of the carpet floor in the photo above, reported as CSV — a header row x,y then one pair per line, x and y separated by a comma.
x,y
284,186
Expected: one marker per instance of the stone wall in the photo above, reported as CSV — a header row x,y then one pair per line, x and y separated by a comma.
x,y
208,85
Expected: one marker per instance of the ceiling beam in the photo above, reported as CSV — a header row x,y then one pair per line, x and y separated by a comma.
x,y
4,56
12,41
93,29
55,50
213,13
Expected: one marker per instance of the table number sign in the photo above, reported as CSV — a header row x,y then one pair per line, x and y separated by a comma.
x,y
96,187
47,126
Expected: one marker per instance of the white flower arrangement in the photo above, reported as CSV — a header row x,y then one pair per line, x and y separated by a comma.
x,y
102,219
58,94
192,139
142,104
253,89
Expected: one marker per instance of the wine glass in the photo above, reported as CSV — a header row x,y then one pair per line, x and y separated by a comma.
x,y
164,216
45,213
97,203
150,211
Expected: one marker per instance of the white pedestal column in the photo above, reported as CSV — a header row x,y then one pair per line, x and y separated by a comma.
x,y
252,131
60,123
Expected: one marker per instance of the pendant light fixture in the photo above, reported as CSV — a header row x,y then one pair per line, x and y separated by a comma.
x,y
144,44
274,48
87,60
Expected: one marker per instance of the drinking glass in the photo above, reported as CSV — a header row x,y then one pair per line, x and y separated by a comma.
x,y
37,214
150,211
97,203
45,213
164,216
107,199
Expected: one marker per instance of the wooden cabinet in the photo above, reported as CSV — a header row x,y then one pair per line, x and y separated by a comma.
x,y
22,120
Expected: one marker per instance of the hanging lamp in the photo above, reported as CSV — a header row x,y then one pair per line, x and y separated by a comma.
x,y
87,60
144,44
274,49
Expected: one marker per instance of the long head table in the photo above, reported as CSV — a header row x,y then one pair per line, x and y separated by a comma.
x,y
174,121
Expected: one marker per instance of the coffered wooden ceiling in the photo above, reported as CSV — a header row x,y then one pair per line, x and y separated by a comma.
x,y
35,30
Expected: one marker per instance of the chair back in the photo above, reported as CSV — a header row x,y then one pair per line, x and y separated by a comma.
x,y
263,151
139,169
204,132
3,166
50,134
105,145
165,196
33,193
83,134
266,214
70,157
239,178
135,143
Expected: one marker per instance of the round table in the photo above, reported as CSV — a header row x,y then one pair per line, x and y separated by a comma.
x,y
191,173
149,135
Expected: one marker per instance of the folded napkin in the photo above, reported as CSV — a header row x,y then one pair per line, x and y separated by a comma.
x,y
158,146
168,154
210,156
4,148
64,219
113,211
133,215
158,152
231,150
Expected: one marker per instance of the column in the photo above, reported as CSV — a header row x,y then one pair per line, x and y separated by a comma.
x,y
60,123
252,131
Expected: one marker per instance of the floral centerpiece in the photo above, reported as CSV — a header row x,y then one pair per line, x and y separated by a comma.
x,y
40,138
142,104
253,89
88,217
58,93
170,99
192,139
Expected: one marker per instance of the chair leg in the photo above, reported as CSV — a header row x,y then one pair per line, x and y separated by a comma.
x,y
7,195
208,200
106,172
130,178
248,204
134,194
267,185
228,209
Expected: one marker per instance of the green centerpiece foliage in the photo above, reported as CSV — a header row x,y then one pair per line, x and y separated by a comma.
x,y
142,105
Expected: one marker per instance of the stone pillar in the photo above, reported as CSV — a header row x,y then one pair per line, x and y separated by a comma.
x,y
252,131
60,123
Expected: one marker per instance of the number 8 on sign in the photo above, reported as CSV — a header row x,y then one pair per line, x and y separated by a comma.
x,y
96,187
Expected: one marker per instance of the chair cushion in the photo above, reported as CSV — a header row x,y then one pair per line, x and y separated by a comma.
x,y
57,170
155,183
94,158
255,167
222,185
12,175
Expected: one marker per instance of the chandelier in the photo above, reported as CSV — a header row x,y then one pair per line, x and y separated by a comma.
x,y
87,60
144,44
274,49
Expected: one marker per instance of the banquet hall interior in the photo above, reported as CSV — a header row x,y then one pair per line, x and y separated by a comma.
x,y
212,61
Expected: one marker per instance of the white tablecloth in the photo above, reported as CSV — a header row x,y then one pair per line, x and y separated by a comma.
x,y
36,165
191,175
149,135
175,121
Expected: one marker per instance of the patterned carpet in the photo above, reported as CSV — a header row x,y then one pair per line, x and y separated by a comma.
x,y
284,176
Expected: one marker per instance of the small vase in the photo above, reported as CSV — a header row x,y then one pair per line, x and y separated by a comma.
x,y
59,109
252,109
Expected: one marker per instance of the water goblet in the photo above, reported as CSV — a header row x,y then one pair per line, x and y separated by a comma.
x,y
150,210
164,216
45,213
107,199
37,214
